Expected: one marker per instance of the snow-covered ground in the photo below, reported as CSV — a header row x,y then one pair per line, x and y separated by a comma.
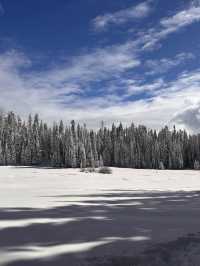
x,y
30,187
61,216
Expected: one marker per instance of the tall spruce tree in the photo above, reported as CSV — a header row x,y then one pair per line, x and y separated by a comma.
x,y
33,142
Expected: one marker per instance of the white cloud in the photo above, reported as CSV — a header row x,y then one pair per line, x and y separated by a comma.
x,y
22,94
152,37
136,87
61,92
170,25
120,17
165,64
188,119
49,92
96,66
181,19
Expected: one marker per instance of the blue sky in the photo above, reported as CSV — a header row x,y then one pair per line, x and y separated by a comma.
x,y
92,60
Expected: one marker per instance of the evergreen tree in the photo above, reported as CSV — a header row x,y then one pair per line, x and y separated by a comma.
x,y
35,143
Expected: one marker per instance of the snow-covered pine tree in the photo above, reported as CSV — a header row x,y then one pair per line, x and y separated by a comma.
x,y
34,142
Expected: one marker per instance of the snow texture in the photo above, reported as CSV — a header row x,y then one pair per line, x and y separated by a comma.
x,y
66,217
30,187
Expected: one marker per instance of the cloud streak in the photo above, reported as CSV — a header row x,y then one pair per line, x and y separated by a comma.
x,y
165,101
86,87
165,64
123,16
169,25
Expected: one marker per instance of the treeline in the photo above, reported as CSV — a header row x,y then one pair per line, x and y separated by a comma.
x,y
33,142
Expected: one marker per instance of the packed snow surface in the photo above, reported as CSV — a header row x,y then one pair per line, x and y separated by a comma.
x,y
67,217
30,187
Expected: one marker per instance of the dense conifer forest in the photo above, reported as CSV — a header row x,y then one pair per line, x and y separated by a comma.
x,y
33,142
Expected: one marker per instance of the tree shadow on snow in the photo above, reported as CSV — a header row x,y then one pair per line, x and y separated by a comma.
x,y
120,228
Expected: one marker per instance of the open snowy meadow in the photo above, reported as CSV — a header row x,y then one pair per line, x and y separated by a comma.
x,y
65,217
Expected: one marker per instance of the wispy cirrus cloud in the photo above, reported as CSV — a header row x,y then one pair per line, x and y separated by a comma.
x,y
166,99
139,11
94,66
151,38
165,64
62,90
170,25
62,85
182,18
135,87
